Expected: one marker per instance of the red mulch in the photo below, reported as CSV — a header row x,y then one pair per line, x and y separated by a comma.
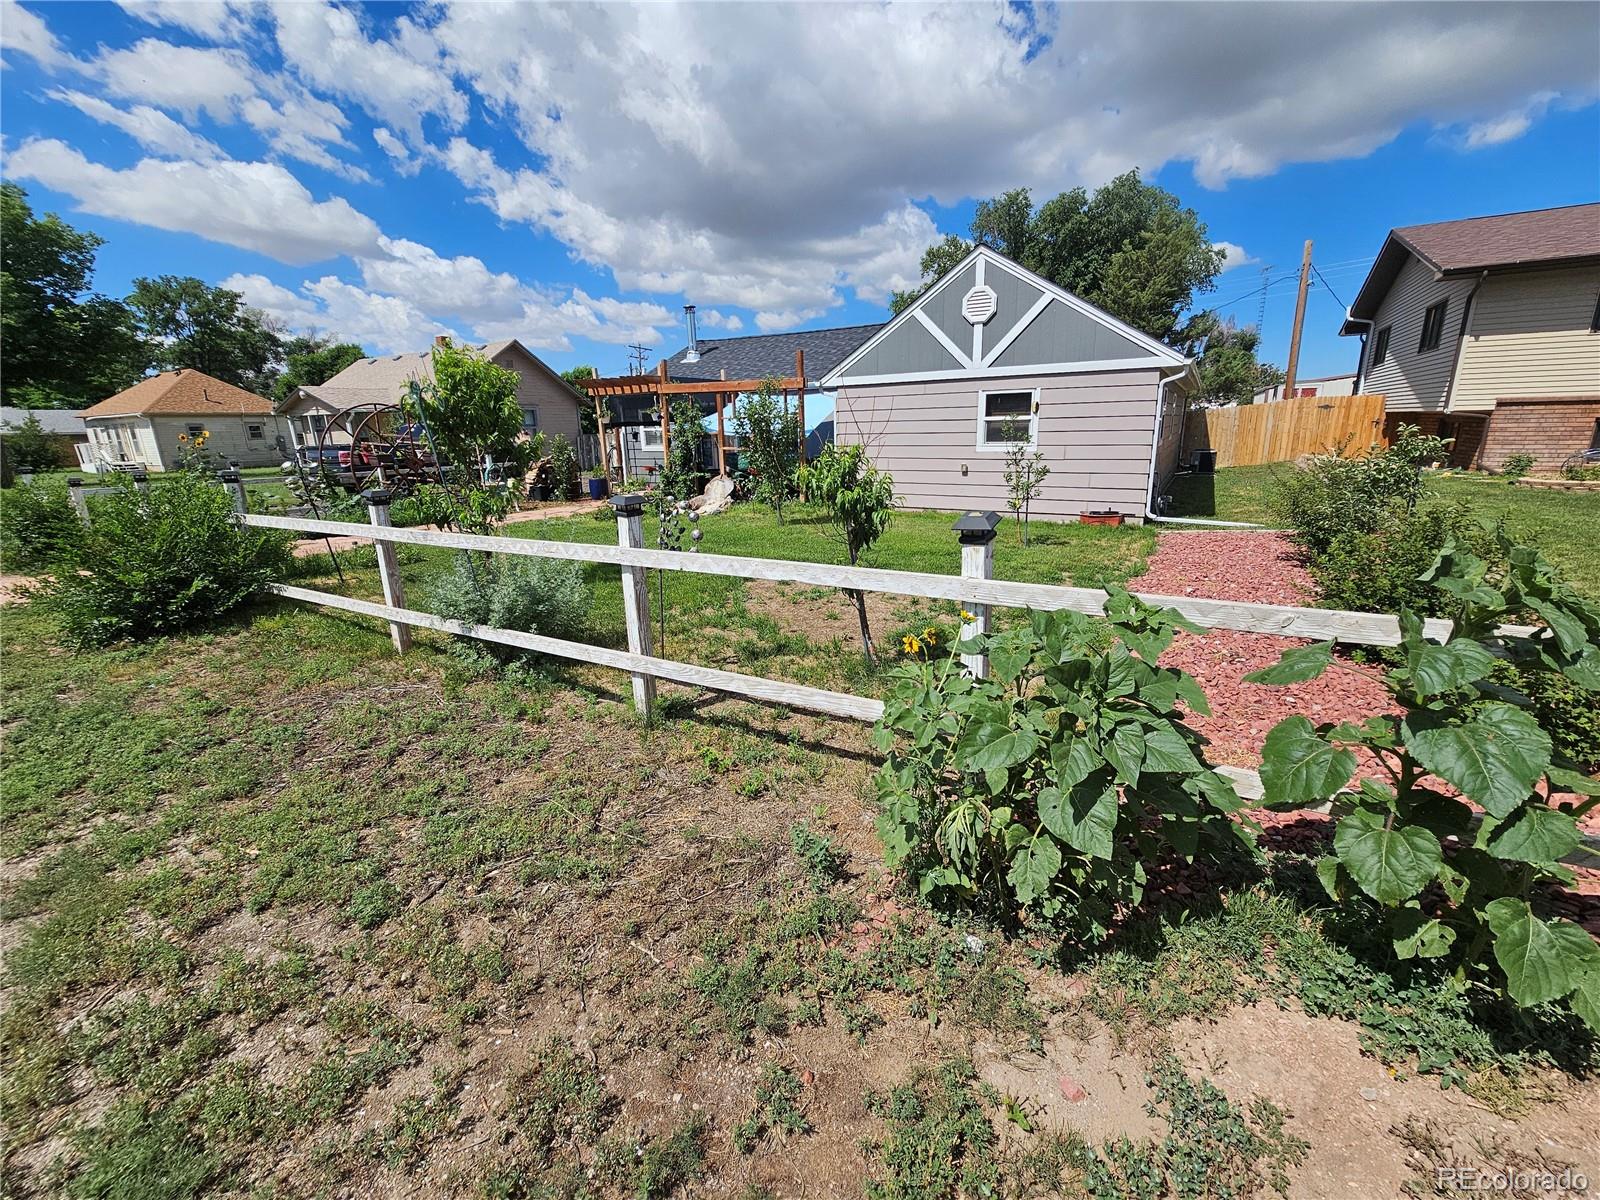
x,y
1261,567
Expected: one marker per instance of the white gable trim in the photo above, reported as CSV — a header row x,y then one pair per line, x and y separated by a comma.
x,y
943,339
978,367
1101,366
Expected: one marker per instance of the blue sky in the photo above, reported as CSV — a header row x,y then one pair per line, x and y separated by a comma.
x,y
572,176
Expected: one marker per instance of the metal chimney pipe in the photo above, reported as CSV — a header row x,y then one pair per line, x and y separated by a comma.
x,y
693,353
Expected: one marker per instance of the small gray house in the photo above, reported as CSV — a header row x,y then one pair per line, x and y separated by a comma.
x,y
992,351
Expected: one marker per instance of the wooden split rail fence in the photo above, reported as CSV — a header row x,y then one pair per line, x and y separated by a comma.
x,y
975,589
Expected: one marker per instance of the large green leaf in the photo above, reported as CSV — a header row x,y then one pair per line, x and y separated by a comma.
x,y
1542,960
1034,868
1298,767
1536,834
1389,864
1436,669
1166,750
1073,761
1586,998
1125,752
1297,664
1085,816
986,745
1009,653
1495,758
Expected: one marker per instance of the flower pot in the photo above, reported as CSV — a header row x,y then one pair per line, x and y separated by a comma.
x,y
598,487
1108,516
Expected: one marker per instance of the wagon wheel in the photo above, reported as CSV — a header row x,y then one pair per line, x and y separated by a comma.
x,y
372,448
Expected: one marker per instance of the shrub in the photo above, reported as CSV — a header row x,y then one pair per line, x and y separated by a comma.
x,y
563,468
150,565
38,527
1517,465
1333,496
1002,793
769,437
533,595
1581,471
1483,740
1380,570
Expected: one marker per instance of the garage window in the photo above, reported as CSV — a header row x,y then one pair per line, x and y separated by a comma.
x,y
1007,419
1380,345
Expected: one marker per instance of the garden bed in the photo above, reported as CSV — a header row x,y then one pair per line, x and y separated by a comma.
x,y
1557,485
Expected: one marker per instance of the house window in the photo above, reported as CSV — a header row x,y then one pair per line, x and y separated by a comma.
x,y
1006,419
1594,321
194,431
530,421
650,437
1380,345
1432,326
1466,315
255,432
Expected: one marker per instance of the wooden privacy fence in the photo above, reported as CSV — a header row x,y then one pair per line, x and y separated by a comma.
x,y
975,589
1244,435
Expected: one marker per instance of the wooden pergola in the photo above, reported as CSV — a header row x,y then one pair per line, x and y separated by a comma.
x,y
724,392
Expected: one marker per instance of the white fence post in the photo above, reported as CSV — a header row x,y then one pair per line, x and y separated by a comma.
x,y
80,502
231,480
394,593
636,596
976,532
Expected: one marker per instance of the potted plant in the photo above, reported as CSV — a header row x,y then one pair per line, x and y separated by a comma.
x,y
1100,516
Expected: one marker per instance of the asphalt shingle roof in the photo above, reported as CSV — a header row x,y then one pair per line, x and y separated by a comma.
x,y
51,420
184,392
770,354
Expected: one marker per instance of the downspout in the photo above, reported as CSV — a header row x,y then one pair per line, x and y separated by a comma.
x,y
1155,441
1361,360
1455,365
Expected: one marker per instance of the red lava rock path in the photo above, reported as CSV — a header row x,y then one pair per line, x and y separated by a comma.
x,y
1261,568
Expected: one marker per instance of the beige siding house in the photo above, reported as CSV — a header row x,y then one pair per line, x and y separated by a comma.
x,y
1487,330
992,355
147,425
549,404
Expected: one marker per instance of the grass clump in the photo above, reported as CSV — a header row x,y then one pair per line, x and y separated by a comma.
x,y
777,1109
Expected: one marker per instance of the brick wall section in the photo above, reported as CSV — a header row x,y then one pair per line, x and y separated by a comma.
x,y
1549,428
1466,430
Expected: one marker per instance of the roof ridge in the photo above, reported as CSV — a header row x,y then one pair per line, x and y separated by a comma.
x,y
1520,212
755,337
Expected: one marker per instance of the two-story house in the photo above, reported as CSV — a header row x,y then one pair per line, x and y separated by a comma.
x,y
1487,330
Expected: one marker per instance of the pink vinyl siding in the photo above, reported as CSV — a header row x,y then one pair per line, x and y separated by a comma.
x,y
1095,431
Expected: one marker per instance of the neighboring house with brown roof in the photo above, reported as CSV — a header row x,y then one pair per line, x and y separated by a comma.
x,y
548,402
147,424
1487,330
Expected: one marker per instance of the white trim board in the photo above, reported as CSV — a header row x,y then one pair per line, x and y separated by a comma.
x,y
1101,366
1160,354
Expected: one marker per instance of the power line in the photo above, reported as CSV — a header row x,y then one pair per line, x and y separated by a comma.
x,y
1329,286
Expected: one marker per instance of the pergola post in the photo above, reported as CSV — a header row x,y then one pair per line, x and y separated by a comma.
x,y
800,400
976,532
666,421
722,437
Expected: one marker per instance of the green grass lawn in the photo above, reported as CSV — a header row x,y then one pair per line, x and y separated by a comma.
x,y
1565,525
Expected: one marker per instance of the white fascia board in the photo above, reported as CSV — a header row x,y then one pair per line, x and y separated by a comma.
x,y
1078,368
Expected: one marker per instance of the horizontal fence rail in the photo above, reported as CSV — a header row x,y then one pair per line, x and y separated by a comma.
x,y
1318,624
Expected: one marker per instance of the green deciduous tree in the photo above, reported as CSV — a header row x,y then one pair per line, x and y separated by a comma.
x,y
209,329
859,500
61,346
770,440
308,361
1230,373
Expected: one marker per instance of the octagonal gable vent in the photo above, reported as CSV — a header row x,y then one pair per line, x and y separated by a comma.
x,y
978,305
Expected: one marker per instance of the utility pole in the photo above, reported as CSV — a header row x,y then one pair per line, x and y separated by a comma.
x,y
1299,322
636,356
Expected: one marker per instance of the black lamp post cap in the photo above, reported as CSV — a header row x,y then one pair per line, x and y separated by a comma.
x,y
228,476
628,506
377,496
974,529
